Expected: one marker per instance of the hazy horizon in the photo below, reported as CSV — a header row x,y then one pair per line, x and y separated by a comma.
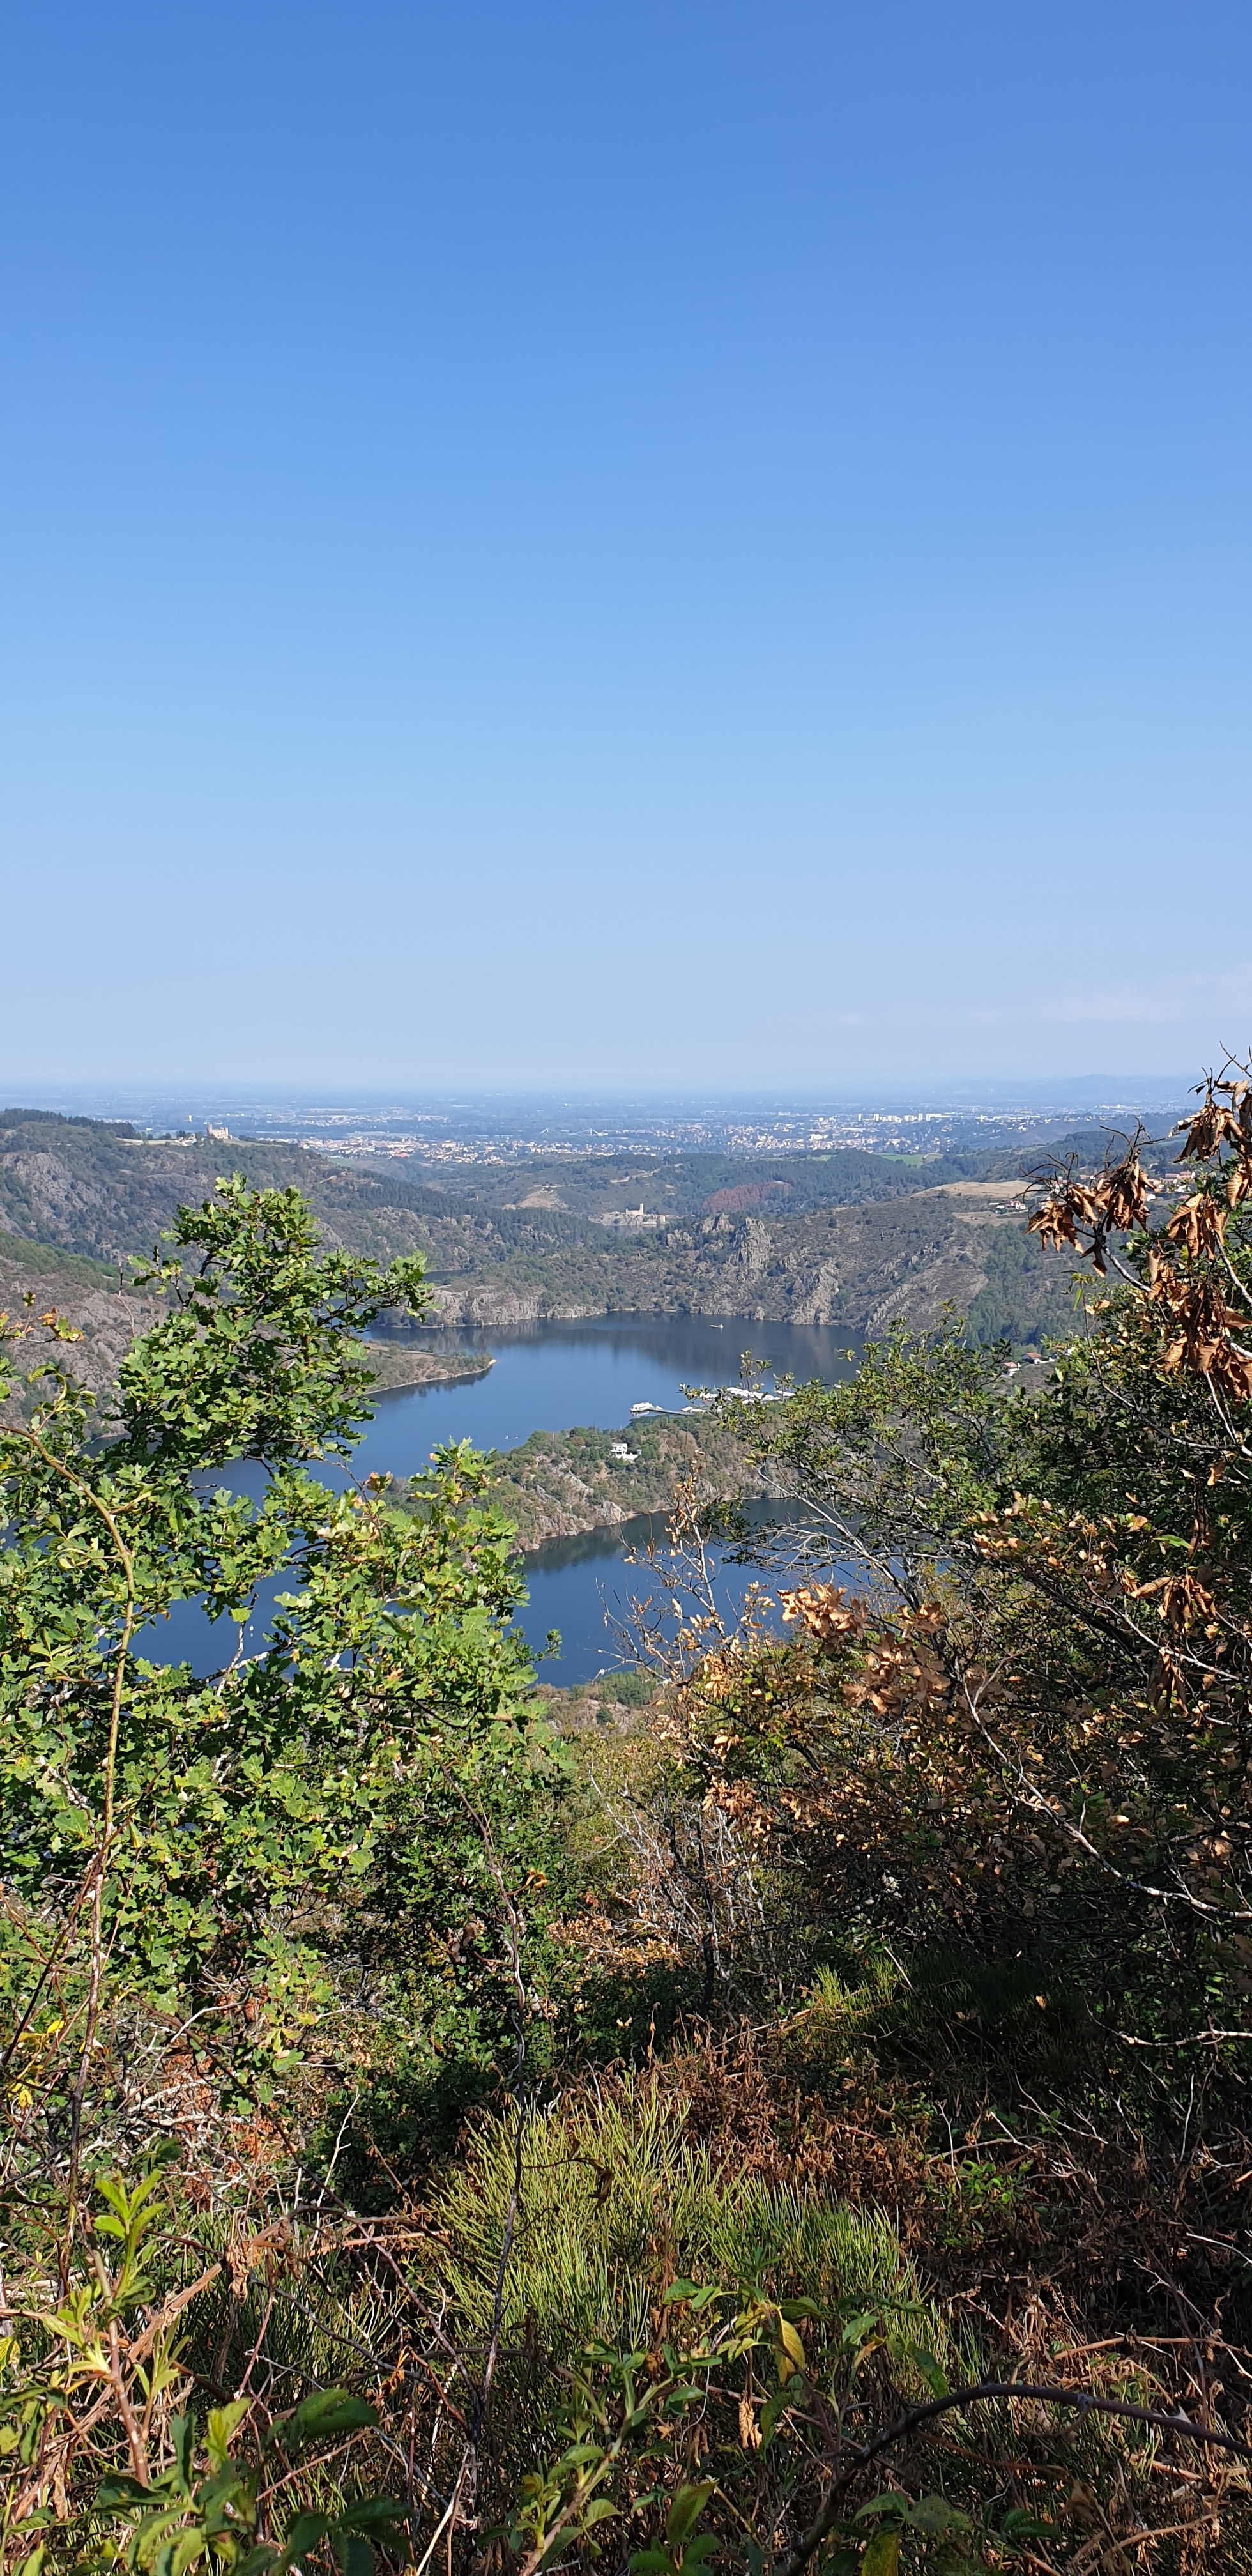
x,y
121,1098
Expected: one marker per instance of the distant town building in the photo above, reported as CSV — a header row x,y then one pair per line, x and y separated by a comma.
x,y
631,1220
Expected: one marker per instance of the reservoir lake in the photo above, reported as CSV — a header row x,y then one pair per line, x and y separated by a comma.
x,y
552,1377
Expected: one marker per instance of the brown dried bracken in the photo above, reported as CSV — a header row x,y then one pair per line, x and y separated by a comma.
x,y
1199,1225
1183,1598
1197,1308
1215,1125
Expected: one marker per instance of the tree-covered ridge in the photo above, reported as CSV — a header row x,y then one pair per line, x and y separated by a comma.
x,y
434,2130
816,1237
862,1266
93,1188
557,1483
685,1185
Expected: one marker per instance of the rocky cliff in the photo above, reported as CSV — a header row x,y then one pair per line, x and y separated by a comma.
x,y
860,1266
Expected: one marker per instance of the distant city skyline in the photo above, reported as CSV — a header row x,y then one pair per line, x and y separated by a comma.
x,y
451,1130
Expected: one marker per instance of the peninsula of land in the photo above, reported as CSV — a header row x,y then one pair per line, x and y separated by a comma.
x,y
400,1363
559,1484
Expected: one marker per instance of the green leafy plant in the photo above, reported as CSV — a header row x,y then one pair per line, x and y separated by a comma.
x,y
214,2499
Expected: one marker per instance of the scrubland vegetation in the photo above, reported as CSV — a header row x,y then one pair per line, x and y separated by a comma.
x,y
799,2121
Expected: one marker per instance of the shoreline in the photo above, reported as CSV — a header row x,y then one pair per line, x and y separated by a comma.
x,y
567,1485
403,1369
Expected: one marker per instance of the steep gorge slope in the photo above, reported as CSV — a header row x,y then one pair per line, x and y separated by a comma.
x,y
864,1266
36,1280
99,1190
93,1191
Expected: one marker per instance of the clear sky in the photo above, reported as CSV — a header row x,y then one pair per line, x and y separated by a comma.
x,y
681,542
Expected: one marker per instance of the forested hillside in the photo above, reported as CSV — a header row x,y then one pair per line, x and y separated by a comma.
x,y
789,2113
558,1483
860,1266
96,1189
689,1185
850,1240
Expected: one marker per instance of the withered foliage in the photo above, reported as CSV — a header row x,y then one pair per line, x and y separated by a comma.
x,y
991,1785
1185,1270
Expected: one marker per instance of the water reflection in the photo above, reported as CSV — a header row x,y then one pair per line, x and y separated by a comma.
x,y
585,1587
558,1376
546,1377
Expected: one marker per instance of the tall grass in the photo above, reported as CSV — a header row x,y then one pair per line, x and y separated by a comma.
x,y
617,2201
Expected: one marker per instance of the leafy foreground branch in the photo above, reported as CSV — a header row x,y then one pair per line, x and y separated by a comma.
x,y
575,2496
715,2436
336,2230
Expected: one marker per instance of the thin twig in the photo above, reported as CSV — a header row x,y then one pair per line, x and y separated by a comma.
x,y
984,2392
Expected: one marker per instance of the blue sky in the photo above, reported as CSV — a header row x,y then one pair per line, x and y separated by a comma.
x,y
546,541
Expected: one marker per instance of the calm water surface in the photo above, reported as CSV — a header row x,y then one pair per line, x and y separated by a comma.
x,y
555,1377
